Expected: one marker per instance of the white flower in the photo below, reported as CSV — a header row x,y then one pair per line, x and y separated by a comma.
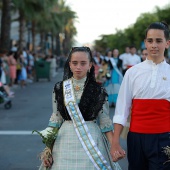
x,y
108,75
100,70
46,131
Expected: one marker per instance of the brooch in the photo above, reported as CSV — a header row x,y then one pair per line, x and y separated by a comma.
x,y
164,78
77,88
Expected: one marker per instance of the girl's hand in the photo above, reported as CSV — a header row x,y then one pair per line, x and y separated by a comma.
x,y
117,152
48,162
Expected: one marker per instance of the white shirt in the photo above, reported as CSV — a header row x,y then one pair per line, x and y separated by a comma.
x,y
142,81
123,58
31,60
132,60
25,57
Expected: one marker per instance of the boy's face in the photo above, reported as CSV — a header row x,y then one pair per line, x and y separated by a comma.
x,y
156,43
133,50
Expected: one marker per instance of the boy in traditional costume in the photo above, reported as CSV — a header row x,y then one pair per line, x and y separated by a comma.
x,y
145,93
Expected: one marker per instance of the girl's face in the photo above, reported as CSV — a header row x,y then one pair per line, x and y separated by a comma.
x,y
156,44
144,54
80,64
109,54
115,53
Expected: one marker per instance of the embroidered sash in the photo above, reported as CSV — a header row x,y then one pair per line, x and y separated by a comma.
x,y
116,69
81,128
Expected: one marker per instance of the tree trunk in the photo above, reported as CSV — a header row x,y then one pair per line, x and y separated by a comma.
x,y
41,40
33,36
5,26
66,43
21,30
58,49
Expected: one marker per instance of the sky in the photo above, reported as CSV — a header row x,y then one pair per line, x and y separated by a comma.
x,y
97,17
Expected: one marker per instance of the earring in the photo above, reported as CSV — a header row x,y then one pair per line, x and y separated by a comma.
x,y
89,70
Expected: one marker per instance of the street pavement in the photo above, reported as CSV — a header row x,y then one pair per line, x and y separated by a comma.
x,y
31,110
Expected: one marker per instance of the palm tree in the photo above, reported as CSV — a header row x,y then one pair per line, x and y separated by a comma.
x,y
66,31
5,26
54,23
28,10
46,17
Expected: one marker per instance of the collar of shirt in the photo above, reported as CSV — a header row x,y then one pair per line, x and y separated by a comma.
x,y
152,63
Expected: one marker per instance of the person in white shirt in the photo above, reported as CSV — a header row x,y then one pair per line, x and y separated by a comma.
x,y
123,58
145,94
133,58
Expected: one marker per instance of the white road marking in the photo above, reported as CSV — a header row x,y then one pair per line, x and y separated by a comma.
x,y
19,132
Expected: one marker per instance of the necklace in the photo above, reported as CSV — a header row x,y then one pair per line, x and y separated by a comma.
x,y
78,88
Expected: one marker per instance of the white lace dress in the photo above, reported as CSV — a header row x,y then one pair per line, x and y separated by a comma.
x,y
68,153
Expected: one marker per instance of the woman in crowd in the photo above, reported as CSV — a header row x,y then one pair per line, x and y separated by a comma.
x,y
114,78
12,66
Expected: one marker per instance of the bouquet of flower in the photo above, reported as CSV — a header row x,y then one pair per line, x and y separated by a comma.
x,y
48,140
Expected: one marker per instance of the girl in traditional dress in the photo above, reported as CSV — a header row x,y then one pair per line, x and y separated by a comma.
x,y
113,83
81,112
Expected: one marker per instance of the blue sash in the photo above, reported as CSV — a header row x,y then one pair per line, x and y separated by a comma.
x,y
81,128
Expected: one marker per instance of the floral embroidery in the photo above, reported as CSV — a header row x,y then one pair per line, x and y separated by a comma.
x,y
166,150
56,118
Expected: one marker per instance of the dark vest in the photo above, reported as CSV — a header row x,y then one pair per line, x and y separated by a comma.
x,y
91,101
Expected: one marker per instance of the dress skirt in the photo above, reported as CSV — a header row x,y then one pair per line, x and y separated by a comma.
x,y
12,69
68,153
112,87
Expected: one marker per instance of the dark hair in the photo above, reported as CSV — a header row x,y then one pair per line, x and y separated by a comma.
x,y
81,49
161,26
67,72
132,46
107,52
144,49
10,53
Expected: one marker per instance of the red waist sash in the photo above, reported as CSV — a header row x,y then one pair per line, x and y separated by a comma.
x,y
150,116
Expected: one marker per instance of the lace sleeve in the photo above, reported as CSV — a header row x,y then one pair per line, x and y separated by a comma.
x,y
56,119
105,122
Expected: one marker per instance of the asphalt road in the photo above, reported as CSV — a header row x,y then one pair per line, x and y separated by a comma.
x,y
31,109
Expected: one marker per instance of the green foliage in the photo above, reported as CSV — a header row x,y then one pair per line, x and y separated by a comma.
x,y
50,138
164,14
140,26
134,34
46,16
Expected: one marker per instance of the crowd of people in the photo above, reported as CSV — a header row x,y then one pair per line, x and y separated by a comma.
x,y
110,69
17,68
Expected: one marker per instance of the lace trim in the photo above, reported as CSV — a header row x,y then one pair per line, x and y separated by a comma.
x,y
56,118
91,102
106,123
